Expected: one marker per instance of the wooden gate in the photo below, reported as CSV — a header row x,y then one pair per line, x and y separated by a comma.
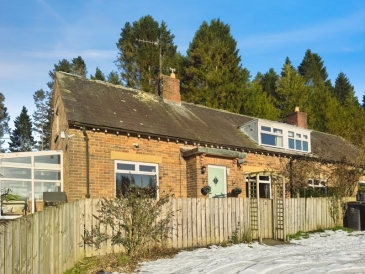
x,y
257,188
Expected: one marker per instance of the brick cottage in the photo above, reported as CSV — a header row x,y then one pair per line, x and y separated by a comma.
x,y
111,135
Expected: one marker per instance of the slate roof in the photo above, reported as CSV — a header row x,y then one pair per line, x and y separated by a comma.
x,y
98,104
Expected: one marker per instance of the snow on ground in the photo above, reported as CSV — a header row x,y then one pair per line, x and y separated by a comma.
x,y
325,252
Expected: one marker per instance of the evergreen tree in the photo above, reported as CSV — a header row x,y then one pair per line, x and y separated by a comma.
x,y
42,118
363,101
257,103
4,120
268,82
21,138
113,78
320,102
343,88
145,50
346,120
213,75
99,75
63,65
291,91
78,67
287,62
312,69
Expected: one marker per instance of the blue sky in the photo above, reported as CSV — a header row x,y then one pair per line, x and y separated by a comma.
x,y
36,34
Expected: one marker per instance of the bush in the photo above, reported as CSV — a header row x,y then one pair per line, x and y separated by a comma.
x,y
5,195
137,220
241,235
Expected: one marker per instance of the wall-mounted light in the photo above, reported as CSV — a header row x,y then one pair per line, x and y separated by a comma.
x,y
63,135
203,169
241,162
136,145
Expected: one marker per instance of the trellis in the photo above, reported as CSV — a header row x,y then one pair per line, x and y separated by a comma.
x,y
278,196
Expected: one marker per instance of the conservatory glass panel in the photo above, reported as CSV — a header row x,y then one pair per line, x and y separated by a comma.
x,y
40,187
16,173
47,175
47,160
22,161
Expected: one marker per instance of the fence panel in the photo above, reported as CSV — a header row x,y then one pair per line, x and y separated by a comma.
x,y
23,246
51,241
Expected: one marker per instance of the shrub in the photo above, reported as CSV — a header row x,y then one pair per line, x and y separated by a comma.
x,y
241,235
137,220
5,195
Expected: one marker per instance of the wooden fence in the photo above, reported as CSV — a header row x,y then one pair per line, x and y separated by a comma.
x,y
44,242
50,241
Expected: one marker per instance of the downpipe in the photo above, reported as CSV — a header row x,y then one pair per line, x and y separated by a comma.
x,y
87,163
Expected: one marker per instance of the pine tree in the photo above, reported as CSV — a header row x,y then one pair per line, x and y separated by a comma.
x,y
257,103
312,69
78,67
343,88
4,121
287,62
99,75
213,75
320,103
63,65
291,91
268,82
113,78
146,48
21,138
42,118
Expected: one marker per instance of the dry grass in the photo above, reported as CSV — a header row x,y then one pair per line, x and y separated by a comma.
x,y
119,262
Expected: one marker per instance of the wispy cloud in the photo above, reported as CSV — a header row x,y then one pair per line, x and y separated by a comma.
x,y
68,54
51,10
355,23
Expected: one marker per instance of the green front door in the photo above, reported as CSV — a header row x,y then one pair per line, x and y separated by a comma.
x,y
217,181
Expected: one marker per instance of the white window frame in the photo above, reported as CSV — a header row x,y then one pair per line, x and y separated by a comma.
x,y
256,177
37,185
284,134
321,182
137,171
298,137
273,131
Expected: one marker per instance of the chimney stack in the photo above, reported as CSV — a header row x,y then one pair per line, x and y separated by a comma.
x,y
297,118
170,88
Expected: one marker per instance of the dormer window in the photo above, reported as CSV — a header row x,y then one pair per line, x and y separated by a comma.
x,y
278,135
298,141
271,136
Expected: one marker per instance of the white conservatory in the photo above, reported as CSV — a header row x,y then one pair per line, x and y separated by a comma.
x,y
26,176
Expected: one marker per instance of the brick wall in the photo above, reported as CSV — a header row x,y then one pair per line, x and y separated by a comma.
x,y
180,175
